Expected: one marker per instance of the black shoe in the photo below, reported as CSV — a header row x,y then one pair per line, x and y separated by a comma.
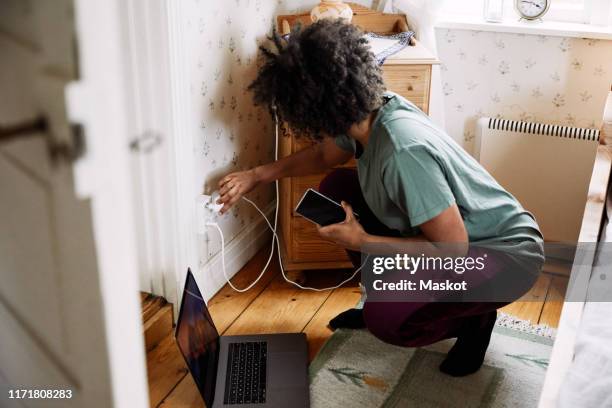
x,y
349,319
467,355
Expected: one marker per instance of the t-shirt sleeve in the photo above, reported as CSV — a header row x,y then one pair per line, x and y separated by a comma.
x,y
415,181
345,143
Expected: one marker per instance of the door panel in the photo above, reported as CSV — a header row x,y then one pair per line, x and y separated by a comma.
x,y
69,316
31,365
29,268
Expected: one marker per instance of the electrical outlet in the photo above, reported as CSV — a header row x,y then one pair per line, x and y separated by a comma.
x,y
204,213
213,202
207,210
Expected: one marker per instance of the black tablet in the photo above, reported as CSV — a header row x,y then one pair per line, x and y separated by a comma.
x,y
320,209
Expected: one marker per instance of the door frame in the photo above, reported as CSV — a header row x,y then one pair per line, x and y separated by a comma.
x,y
164,177
155,158
183,144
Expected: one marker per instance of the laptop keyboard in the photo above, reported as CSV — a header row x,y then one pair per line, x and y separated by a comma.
x,y
245,380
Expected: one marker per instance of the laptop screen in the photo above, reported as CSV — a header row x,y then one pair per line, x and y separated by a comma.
x,y
198,339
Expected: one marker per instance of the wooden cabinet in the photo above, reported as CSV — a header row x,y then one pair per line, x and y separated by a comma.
x,y
410,81
407,73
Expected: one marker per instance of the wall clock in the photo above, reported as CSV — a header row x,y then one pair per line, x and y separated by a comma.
x,y
531,9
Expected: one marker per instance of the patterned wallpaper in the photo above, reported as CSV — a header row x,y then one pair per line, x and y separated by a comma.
x,y
229,134
523,77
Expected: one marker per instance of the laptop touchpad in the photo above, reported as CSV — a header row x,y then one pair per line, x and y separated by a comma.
x,y
287,370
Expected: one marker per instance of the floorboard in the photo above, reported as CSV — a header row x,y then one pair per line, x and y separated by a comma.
x,y
227,304
317,331
551,312
185,395
529,307
165,369
280,308
275,306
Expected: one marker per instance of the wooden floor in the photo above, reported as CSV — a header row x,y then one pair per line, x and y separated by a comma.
x,y
275,306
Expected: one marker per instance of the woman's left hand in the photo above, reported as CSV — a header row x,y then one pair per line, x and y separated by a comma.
x,y
348,234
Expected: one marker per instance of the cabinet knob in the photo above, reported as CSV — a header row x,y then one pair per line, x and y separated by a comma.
x,y
410,87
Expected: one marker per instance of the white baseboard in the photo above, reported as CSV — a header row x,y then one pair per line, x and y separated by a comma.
x,y
237,253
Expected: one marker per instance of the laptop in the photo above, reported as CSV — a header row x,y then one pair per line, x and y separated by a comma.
x,y
268,370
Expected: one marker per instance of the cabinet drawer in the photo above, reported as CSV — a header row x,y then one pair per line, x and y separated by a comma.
x,y
410,81
307,245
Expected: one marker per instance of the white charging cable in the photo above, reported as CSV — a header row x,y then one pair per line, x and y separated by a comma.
x,y
274,239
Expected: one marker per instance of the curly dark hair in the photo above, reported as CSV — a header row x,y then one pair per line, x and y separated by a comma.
x,y
322,79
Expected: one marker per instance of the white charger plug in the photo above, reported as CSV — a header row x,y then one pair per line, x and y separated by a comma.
x,y
207,210
212,204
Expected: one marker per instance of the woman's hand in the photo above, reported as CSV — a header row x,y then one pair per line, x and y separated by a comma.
x,y
233,186
348,234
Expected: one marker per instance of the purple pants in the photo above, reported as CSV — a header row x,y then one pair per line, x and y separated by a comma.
x,y
409,324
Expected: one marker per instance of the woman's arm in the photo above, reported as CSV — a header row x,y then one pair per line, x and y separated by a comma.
x,y
312,160
443,235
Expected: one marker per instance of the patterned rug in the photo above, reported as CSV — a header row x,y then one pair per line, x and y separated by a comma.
x,y
354,369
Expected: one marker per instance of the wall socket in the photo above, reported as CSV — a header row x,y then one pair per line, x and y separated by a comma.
x,y
207,210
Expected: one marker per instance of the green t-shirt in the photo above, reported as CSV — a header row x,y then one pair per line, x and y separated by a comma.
x,y
410,171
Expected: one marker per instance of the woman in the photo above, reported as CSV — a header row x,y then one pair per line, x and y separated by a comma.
x,y
413,185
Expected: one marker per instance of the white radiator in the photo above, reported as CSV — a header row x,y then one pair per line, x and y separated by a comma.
x,y
546,167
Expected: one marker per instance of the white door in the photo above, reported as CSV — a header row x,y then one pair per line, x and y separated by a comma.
x,y
69,306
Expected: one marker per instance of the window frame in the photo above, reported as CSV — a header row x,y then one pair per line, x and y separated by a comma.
x,y
589,12
570,14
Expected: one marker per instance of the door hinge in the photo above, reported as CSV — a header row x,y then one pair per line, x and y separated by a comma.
x,y
39,126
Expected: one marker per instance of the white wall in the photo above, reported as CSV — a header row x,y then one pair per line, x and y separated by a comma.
x,y
523,77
